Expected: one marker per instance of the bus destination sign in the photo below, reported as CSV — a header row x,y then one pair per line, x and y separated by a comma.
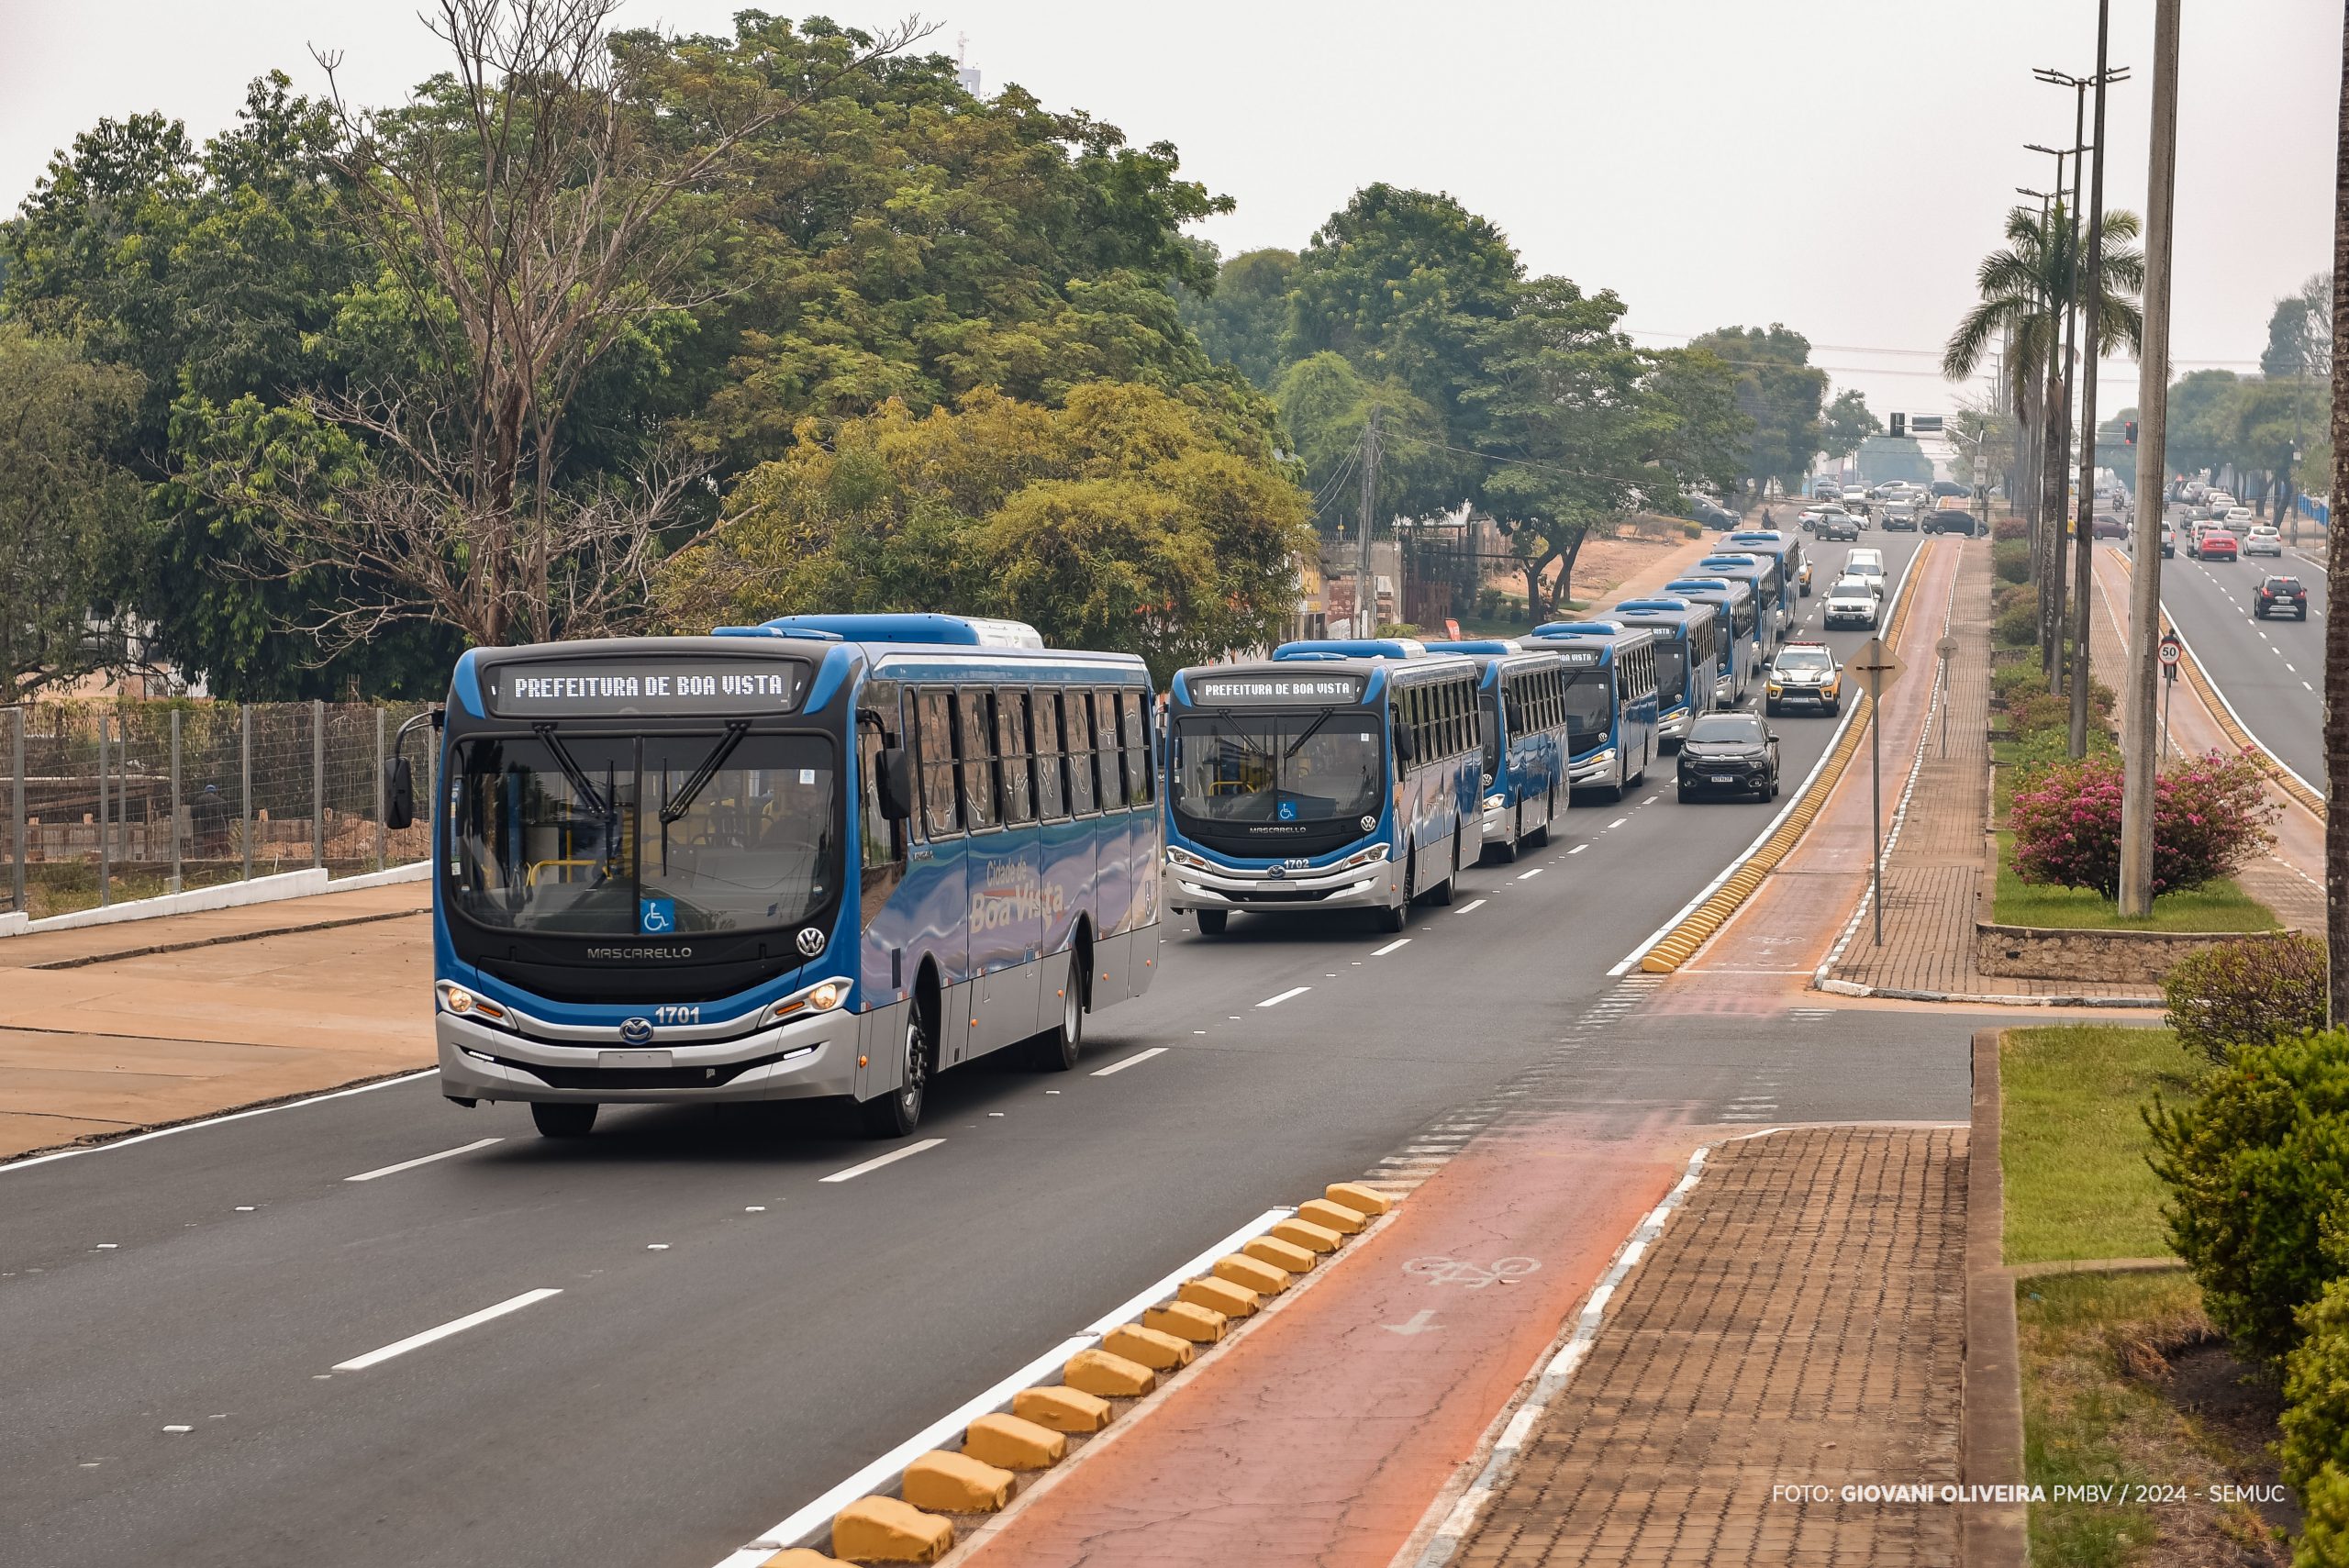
x,y
585,688
1579,658
1223,690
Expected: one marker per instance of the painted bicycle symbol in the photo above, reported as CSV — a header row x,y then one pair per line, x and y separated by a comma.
x,y
1472,1276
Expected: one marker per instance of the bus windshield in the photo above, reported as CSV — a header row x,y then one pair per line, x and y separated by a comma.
x,y
1590,708
1671,672
1319,765
609,836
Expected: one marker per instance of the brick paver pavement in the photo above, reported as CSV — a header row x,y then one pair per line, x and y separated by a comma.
x,y
1801,1321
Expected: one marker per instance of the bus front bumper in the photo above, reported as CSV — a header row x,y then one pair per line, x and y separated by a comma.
x,y
1673,726
1373,885
804,1059
1591,768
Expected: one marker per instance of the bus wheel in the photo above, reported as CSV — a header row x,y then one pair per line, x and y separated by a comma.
x,y
899,1112
1212,921
563,1119
1059,1047
1394,918
1441,894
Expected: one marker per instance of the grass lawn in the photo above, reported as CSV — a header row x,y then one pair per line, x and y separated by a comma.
x,y
2073,1146
2221,906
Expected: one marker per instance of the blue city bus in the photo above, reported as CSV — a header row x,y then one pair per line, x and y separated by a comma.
x,y
1333,775
1737,635
831,856
1521,718
1687,660
1760,574
1610,701
1783,548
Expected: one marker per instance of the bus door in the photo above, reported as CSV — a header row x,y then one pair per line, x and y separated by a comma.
x,y
1005,869
1144,842
1113,842
1064,809
937,883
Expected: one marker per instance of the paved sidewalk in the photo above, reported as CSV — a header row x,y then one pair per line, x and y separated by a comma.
x,y
1801,1321
106,1029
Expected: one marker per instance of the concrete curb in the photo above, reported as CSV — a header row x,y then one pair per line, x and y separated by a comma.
x,y
305,884
1696,925
1992,1533
1983,998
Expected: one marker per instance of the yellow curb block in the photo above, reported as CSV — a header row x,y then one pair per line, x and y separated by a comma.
x,y
2196,677
883,1530
1680,945
1221,1296
957,1483
1281,1254
1305,1233
1108,1376
1156,1351
1185,1321
1331,1215
1356,1197
1062,1409
1013,1442
802,1557
1241,1269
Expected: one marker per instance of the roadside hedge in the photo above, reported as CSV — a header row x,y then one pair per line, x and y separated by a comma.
x,y
2258,1172
2259,991
2324,1510
2010,559
2316,1388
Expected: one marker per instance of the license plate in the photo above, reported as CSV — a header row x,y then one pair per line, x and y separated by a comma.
x,y
633,1059
1724,778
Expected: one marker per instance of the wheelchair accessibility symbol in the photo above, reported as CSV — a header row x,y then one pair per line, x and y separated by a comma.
x,y
657,916
1288,811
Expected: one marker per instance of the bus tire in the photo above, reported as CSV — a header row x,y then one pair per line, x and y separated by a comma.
x,y
563,1119
1441,894
899,1112
1212,921
1059,1047
1395,916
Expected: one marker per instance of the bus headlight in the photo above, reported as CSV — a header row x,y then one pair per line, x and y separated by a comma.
x,y
1370,856
1184,858
457,1002
821,997
1497,802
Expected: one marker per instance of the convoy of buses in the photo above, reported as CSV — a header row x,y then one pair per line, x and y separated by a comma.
x,y
833,856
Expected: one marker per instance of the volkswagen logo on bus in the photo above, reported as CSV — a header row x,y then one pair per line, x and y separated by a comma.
x,y
811,940
1276,873
1368,823
635,1031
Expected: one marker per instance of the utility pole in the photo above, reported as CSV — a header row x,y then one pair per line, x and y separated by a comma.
x,y
2091,294
1365,581
2056,454
2336,575
2034,465
2138,760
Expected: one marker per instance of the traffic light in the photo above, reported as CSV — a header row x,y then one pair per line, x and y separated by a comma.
x,y
2129,432
1899,425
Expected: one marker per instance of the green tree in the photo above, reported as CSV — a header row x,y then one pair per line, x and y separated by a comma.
x,y
2203,419
66,506
1846,424
1239,323
1119,519
1779,393
1325,404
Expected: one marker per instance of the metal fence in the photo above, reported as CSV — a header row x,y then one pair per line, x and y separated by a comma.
x,y
106,801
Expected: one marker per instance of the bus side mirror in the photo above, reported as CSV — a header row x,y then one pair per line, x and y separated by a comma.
x,y
1403,744
895,783
399,794
1489,728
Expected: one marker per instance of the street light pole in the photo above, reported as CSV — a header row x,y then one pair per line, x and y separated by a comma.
x,y
2054,456
2091,293
2153,487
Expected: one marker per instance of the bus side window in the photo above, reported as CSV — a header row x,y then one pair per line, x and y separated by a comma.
x,y
1012,777
1463,714
942,813
977,757
1076,737
1132,714
1051,794
1104,751
881,842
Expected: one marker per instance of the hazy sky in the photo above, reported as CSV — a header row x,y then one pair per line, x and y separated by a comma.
x,y
1839,165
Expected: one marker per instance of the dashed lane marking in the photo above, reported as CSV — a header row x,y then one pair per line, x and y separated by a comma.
x,y
1471,904
1398,943
1117,1066
423,1159
1291,994
895,1155
1618,822
1524,874
1577,849
455,1326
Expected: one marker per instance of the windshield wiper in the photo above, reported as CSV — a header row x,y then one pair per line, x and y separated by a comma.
x,y
588,794
1309,728
735,730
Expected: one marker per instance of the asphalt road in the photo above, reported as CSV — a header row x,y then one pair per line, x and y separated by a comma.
x,y
733,1334
2271,671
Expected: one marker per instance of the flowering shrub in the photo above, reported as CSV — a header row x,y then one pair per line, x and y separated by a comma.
x,y
2003,529
2210,816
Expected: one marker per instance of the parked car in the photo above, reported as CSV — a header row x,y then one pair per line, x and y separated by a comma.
x,y
1852,602
1729,754
1950,487
2263,540
2217,545
2280,596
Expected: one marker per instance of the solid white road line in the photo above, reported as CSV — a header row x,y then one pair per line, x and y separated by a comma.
x,y
1391,947
1472,904
216,1120
457,1326
1125,1061
423,1159
891,1158
1292,991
